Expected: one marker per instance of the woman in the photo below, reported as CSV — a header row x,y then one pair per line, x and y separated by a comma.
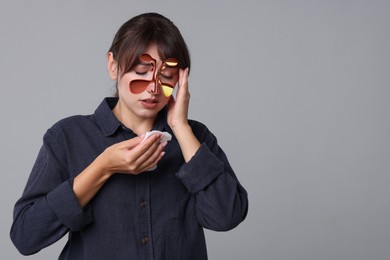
x,y
118,194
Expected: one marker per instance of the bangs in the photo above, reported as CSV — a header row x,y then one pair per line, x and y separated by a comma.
x,y
170,47
128,56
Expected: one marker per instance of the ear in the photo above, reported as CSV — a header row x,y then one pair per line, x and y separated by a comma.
x,y
112,66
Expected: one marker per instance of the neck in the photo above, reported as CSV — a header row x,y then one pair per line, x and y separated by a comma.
x,y
137,124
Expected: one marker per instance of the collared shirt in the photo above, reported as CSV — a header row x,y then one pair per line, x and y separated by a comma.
x,y
158,214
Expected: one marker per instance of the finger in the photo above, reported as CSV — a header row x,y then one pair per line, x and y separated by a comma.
x,y
147,162
171,102
139,157
145,149
154,158
183,78
130,143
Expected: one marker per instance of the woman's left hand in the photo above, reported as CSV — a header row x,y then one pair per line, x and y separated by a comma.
x,y
178,109
178,118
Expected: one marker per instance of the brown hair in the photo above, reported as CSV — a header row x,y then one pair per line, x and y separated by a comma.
x,y
135,36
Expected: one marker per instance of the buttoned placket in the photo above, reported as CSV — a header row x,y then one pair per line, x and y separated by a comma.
x,y
142,211
143,215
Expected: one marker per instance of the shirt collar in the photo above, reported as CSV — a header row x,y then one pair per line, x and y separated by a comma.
x,y
106,118
110,124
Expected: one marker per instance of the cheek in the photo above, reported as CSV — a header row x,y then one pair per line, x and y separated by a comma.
x,y
164,101
123,83
124,91
121,87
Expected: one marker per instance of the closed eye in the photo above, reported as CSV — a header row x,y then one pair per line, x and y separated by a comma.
x,y
166,77
141,73
143,68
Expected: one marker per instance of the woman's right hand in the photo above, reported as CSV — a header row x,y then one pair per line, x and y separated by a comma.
x,y
132,156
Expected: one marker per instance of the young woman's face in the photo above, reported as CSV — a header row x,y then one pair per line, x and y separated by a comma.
x,y
143,92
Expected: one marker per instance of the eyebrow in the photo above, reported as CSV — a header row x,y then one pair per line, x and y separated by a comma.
x,y
145,64
171,68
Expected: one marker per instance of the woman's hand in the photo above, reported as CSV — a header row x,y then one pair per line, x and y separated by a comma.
x,y
132,156
178,109
178,118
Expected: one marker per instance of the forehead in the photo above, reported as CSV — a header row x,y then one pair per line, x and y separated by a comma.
x,y
153,52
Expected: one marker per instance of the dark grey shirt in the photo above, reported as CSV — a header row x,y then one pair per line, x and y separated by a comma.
x,y
158,214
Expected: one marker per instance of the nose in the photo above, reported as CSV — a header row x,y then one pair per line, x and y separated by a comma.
x,y
154,87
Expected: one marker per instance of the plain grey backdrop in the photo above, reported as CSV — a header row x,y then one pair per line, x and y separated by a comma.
x,y
296,91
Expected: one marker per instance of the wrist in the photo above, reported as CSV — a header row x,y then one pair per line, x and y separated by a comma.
x,y
101,167
180,128
188,142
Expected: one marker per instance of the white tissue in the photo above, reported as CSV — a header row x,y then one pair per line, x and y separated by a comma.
x,y
165,138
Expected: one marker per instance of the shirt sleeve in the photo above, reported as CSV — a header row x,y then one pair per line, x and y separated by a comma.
x,y
221,201
48,208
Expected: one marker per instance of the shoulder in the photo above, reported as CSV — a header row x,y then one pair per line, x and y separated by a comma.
x,y
72,122
70,126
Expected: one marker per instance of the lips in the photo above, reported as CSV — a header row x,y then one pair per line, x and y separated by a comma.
x,y
149,102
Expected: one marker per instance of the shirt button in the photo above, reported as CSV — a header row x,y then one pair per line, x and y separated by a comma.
x,y
142,204
145,240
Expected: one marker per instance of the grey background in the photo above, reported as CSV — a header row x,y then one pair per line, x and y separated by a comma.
x,y
296,91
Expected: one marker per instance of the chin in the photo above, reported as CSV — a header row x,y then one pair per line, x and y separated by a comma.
x,y
148,114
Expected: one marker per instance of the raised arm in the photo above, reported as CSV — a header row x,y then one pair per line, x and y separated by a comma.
x,y
222,203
